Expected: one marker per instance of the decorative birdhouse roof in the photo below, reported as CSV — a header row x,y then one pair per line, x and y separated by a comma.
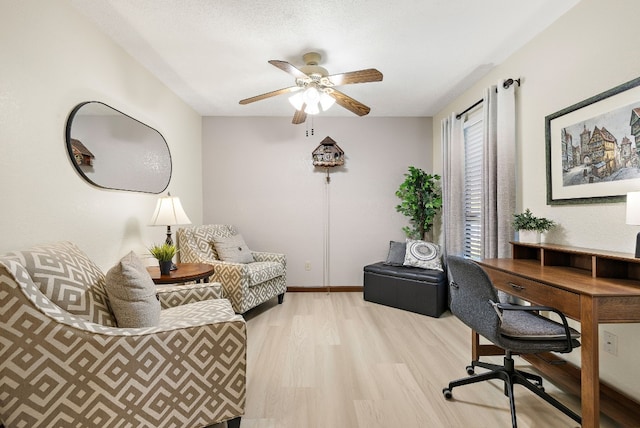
x,y
82,155
328,154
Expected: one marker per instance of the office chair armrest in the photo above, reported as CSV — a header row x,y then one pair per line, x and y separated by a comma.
x,y
563,318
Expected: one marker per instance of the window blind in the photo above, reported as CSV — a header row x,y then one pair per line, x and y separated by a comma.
x,y
473,152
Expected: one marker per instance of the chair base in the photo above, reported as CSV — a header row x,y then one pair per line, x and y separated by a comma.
x,y
511,377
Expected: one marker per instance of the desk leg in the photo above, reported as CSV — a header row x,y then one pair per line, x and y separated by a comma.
x,y
590,381
475,346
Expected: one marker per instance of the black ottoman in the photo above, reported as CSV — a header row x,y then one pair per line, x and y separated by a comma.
x,y
423,291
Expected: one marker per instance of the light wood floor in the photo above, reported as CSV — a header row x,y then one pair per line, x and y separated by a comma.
x,y
333,360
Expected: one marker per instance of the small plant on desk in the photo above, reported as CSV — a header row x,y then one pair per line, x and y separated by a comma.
x,y
531,225
527,221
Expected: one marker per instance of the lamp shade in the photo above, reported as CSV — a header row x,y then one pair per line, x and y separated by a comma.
x,y
169,211
633,208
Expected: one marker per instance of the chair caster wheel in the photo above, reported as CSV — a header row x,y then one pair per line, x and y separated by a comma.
x,y
471,370
447,393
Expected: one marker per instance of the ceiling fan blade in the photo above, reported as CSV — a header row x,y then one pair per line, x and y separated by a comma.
x,y
285,66
270,94
360,76
299,116
349,103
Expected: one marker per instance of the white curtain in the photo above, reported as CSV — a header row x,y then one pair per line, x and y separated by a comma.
x,y
453,185
500,170
499,175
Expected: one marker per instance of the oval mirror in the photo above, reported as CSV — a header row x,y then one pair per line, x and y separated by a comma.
x,y
112,150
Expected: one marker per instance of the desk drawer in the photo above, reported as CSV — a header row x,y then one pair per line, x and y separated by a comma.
x,y
536,292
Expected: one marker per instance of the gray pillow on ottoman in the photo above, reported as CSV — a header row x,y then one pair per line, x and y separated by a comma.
x,y
396,254
132,294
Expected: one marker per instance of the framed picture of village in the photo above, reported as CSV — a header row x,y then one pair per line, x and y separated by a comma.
x,y
593,148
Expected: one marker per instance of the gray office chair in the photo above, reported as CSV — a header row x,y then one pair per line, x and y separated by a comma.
x,y
515,328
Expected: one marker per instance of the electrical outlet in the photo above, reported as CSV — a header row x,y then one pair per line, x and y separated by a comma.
x,y
610,343
307,265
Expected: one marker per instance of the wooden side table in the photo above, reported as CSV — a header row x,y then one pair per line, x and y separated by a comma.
x,y
186,272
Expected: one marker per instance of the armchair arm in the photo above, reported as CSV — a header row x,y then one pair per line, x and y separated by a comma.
x,y
175,295
233,276
263,256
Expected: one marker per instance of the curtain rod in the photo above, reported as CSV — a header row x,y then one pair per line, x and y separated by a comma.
x,y
505,85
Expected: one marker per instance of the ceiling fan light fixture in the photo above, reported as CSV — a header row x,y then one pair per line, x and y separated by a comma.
x,y
312,108
297,101
311,95
313,100
326,101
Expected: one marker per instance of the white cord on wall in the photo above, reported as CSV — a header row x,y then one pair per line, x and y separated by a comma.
x,y
326,275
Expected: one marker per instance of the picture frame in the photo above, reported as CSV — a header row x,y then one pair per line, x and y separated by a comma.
x,y
591,152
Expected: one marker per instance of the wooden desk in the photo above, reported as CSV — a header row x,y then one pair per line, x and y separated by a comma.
x,y
186,272
587,285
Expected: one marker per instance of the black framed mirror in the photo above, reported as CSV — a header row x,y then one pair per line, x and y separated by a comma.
x,y
112,150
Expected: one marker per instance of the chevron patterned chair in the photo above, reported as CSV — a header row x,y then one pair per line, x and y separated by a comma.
x,y
246,285
64,362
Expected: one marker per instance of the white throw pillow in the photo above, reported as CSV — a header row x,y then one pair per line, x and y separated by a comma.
x,y
232,249
425,255
132,294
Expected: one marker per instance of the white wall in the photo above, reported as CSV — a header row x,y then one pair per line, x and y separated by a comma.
x,y
258,175
592,48
52,59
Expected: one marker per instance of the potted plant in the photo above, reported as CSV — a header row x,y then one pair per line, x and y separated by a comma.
x,y
421,200
164,253
530,227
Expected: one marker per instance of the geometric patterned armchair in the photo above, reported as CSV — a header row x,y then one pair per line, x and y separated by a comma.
x,y
246,285
63,361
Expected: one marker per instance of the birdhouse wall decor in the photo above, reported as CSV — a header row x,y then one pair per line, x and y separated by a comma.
x,y
81,154
328,154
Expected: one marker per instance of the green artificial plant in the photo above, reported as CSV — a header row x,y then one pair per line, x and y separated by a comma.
x,y
527,221
421,200
163,252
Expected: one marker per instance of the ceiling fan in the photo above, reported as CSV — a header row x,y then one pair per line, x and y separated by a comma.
x,y
315,88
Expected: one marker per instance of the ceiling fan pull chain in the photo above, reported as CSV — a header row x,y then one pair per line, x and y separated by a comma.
x,y
312,130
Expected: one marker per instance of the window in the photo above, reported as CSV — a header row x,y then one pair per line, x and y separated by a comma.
x,y
473,161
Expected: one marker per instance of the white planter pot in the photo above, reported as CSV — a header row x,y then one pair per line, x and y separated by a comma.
x,y
529,236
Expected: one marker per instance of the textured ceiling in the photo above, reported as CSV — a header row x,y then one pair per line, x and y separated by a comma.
x,y
213,53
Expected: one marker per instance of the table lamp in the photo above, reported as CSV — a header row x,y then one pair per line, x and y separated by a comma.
x,y
169,211
633,215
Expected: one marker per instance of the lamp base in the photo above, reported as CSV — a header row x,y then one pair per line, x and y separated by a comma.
x,y
168,241
638,246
